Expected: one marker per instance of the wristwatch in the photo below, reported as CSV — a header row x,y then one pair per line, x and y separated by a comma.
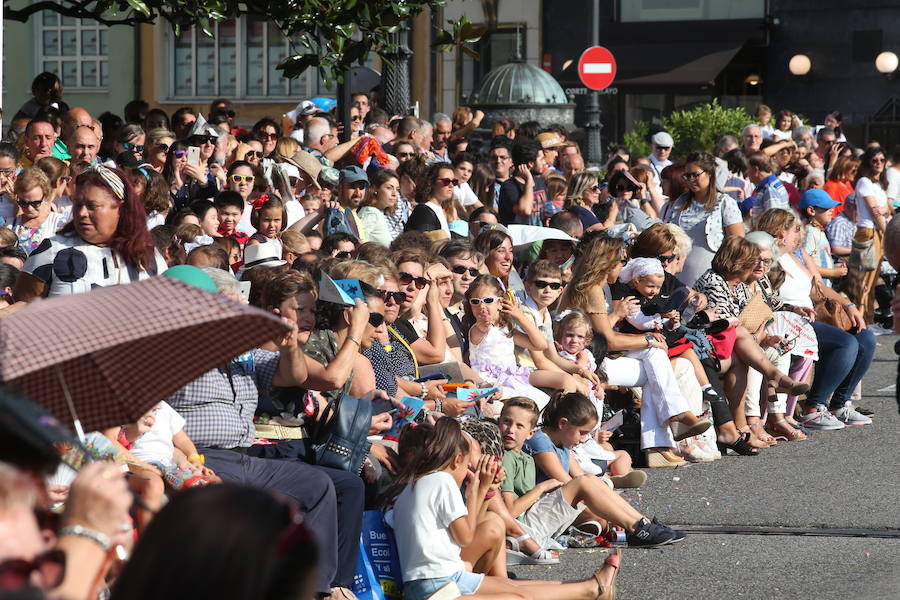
x,y
649,338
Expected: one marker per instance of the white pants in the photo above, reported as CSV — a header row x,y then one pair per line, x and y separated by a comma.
x,y
650,370
755,381
691,392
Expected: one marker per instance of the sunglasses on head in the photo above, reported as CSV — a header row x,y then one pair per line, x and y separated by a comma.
x,y
135,147
397,297
199,140
35,205
242,178
446,181
460,270
376,319
541,284
488,300
253,153
406,279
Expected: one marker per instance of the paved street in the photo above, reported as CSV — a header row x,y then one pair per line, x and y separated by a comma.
x,y
822,514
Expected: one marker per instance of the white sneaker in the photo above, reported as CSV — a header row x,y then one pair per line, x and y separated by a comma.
x,y
878,329
824,421
850,417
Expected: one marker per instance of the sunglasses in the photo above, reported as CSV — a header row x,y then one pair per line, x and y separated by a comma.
x,y
7,172
253,153
397,297
460,270
376,319
162,147
488,300
664,147
271,137
230,114
199,140
692,176
541,284
344,255
136,147
879,160
406,279
446,181
624,188
243,178
179,153
35,205
667,258
16,573
405,154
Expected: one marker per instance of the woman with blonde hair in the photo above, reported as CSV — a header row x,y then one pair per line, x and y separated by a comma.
x,y
58,173
646,363
582,196
36,220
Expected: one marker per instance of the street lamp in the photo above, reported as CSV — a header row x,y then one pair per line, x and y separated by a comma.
x,y
886,63
800,65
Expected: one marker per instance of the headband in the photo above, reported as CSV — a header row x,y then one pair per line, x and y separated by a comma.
x,y
110,178
639,267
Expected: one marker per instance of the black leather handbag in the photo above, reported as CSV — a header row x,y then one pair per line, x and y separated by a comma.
x,y
340,440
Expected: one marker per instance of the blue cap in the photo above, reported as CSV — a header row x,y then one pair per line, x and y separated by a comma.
x,y
324,104
353,174
817,198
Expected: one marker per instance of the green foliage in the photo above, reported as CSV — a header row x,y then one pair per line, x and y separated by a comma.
x,y
636,139
461,33
330,35
695,129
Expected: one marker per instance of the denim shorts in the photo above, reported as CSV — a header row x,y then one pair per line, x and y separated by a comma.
x,y
420,589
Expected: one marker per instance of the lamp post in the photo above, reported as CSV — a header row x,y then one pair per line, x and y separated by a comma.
x,y
886,63
593,143
800,65
395,74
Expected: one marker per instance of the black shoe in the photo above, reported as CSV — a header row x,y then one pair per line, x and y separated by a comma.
x,y
650,534
864,411
741,446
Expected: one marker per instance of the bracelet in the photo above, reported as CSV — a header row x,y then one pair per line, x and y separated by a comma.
x,y
196,456
78,530
355,340
424,390
438,405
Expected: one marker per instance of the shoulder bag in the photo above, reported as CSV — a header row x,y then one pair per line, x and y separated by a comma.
x,y
756,313
340,439
829,311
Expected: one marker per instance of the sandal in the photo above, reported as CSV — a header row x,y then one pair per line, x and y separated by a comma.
x,y
741,446
786,385
762,435
788,432
516,556
604,592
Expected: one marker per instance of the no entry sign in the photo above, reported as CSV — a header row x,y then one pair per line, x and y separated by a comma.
x,y
597,68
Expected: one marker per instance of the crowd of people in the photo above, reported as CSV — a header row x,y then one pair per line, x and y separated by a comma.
x,y
523,330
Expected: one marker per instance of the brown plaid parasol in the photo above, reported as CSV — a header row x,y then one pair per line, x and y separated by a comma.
x,y
122,349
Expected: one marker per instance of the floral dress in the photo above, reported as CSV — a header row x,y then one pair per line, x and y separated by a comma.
x,y
494,360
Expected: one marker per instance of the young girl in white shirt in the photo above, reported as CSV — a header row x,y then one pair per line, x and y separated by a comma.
x,y
433,522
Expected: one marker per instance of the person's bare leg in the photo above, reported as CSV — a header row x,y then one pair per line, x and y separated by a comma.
x,y
750,352
621,465
513,527
489,541
543,378
601,501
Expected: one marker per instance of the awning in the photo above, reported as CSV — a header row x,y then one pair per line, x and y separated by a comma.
x,y
670,54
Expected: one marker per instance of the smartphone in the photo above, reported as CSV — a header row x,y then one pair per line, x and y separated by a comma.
x,y
193,155
244,290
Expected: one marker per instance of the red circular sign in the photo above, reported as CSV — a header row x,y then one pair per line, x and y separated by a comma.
x,y
597,68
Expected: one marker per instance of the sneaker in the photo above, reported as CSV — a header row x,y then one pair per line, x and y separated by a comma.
x,y
650,534
864,411
851,417
878,329
824,421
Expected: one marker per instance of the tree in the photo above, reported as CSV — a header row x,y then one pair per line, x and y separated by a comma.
x,y
330,35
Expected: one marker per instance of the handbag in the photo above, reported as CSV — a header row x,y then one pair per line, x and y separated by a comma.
x,y
340,439
756,313
863,255
829,311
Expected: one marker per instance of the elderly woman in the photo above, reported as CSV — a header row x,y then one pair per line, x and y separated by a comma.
x,y
157,148
844,356
707,216
646,365
130,139
582,196
724,286
35,221
106,243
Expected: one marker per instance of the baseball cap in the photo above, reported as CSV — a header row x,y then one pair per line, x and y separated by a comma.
x,y
549,140
192,276
353,174
817,198
662,139
305,108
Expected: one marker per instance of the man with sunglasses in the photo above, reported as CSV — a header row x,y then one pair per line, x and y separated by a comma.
x,y
661,144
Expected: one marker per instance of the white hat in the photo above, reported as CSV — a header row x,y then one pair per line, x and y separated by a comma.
x,y
303,109
662,139
639,267
265,254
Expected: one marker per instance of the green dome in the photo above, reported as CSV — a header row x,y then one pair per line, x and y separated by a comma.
x,y
519,83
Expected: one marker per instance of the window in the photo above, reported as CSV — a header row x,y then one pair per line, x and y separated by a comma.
x,y
498,47
240,62
75,50
689,10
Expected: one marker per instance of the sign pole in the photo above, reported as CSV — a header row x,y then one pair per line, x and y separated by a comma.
x,y
594,143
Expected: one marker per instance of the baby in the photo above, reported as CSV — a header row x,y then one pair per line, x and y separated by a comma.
x,y
645,277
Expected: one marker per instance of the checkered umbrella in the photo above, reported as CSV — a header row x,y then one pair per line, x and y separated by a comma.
x,y
109,355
